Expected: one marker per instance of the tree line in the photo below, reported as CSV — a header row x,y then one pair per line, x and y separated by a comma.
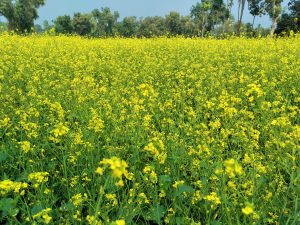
x,y
207,17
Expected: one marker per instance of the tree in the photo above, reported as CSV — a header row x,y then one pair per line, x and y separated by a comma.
x,y
7,9
294,7
241,8
188,27
129,27
262,31
82,24
229,5
152,26
63,24
200,13
273,8
104,21
20,14
208,14
256,8
218,14
38,28
290,21
173,23
47,26
285,24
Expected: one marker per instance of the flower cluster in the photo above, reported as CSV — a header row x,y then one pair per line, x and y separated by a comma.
x,y
118,169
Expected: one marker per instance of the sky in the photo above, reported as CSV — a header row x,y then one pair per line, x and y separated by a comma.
x,y
138,8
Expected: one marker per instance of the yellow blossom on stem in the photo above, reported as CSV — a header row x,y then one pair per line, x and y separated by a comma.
x,y
247,210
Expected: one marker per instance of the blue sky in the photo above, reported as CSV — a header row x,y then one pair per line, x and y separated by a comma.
x,y
138,8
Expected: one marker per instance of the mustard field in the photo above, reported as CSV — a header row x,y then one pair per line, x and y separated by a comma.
x,y
149,131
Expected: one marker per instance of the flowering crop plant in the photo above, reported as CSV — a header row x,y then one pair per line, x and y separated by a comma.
x,y
149,131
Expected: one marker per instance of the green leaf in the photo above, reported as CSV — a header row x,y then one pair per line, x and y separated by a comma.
x,y
3,156
165,181
67,207
298,172
8,207
215,222
36,209
184,188
180,221
156,213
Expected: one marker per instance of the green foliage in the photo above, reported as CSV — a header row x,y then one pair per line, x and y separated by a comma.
x,y
20,13
290,21
208,17
273,8
256,7
46,26
8,207
218,14
208,14
152,27
38,28
173,23
104,22
63,24
7,10
128,27
188,27
82,24
199,13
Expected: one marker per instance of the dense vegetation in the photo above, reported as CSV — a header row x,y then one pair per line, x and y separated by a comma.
x,y
149,131
207,17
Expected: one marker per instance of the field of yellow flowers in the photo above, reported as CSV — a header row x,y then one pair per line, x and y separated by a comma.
x,y
149,131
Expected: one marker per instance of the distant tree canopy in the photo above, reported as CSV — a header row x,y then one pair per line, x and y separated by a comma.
x,y
290,21
82,24
63,24
20,14
199,14
152,26
207,17
128,27
104,22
